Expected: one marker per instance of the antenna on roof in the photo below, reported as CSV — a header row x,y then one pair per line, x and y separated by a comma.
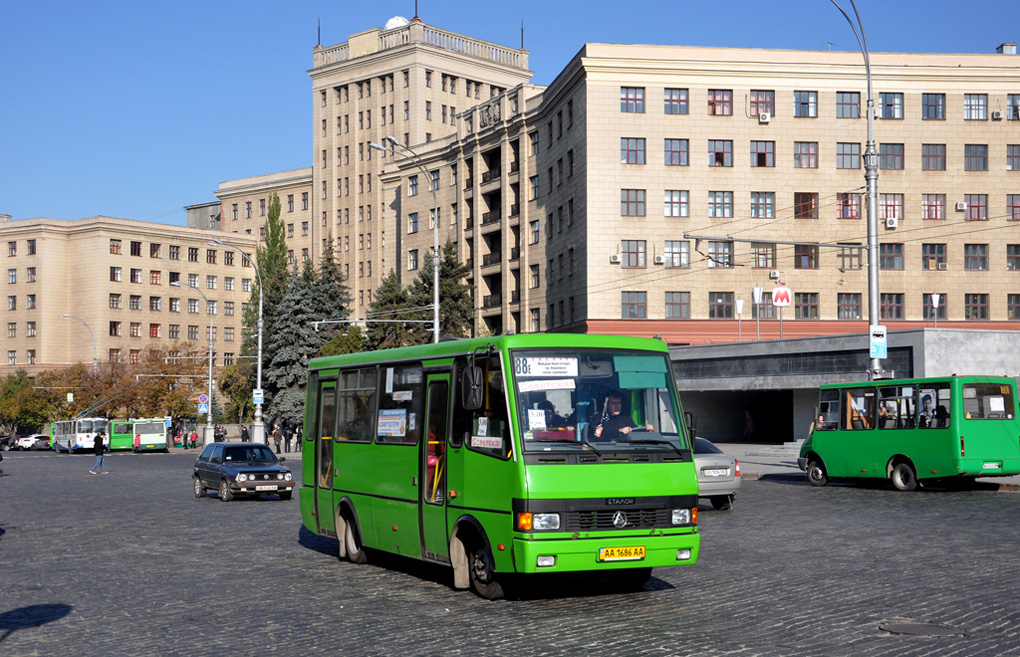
x,y
522,35
416,8
320,32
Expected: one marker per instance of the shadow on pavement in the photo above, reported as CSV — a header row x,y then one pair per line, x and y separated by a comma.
x,y
31,616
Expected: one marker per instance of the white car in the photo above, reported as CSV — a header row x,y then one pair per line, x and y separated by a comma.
x,y
30,442
718,474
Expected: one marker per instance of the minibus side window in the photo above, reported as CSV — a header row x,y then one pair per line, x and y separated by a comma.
x,y
858,409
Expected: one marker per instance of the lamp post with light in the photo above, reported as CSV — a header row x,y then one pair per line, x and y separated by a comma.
x,y
95,357
258,428
207,432
740,311
756,293
435,226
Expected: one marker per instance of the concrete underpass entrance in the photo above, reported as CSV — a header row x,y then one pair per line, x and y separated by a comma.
x,y
720,415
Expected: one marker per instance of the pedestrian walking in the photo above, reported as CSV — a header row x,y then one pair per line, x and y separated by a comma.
x,y
288,433
245,436
295,440
98,448
276,437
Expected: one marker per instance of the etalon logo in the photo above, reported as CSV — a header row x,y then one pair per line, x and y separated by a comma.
x,y
619,501
619,519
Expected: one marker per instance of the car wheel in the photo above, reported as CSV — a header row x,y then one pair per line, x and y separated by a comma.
x,y
225,493
5,447
721,502
816,474
482,573
355,552
285,495
199,488
903,477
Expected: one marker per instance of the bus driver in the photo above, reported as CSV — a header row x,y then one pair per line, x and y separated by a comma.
x,y
614,423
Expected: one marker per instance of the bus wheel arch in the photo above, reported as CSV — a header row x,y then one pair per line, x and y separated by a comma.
x,y
348,533
817,475
472,560
902,473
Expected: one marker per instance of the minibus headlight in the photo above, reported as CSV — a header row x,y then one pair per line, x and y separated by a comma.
x,y
241,478
546,521
681,516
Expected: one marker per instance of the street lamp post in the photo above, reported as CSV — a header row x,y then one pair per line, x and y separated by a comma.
x,y
756,293
207,433
258,428
95,357
871,180
740,311
435,227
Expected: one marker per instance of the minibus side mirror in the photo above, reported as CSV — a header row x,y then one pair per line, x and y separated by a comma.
x,y
691,428
471,388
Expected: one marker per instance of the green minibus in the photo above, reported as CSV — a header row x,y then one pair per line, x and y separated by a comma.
x,y
139,435
519,454
910,431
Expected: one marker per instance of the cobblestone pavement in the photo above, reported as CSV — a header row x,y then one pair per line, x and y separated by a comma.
x,y
133,564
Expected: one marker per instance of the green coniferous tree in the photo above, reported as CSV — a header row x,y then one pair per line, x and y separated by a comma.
x,y
331,298
391,302
290,345
456,310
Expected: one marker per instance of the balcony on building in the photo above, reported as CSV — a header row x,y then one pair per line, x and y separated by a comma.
x,y
492,171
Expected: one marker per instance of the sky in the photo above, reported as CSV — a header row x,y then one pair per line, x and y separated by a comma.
x,y
137,109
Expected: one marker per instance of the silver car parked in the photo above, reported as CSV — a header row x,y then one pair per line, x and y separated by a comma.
x,y
718,474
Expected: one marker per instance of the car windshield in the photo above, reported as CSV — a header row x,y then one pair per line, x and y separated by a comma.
x,y
248,453
574,399
702,446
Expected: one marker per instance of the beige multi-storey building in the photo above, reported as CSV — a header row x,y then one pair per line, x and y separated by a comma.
x,y
117,278
648,189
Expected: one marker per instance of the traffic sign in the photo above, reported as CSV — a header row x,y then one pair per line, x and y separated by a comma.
x,y
203,408
781,296
878,342
258,396
203,398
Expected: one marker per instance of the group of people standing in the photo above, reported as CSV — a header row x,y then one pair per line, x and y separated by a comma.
x,y
287,433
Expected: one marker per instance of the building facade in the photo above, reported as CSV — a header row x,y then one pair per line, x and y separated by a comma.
x,y
127,282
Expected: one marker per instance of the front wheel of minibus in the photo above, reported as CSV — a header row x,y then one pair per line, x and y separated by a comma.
x,y
903,477
482,573
816,474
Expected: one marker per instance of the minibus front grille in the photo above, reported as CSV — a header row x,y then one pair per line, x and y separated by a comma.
x,y
606,519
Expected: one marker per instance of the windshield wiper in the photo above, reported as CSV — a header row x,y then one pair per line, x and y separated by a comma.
x,y
653,441
571,441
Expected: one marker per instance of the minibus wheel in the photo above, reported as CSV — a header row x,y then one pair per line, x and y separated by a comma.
x,y
816,474
721,502
355,552
482,573
903,477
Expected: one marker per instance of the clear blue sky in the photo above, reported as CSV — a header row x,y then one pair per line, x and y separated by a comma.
x,y
136,109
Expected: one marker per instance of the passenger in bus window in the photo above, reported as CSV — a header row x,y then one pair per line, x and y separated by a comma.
x,y
552,419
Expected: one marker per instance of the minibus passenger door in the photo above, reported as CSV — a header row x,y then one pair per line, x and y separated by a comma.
x,y
434,463
324,441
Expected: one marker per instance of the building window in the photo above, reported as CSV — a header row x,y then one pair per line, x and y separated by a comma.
x,y
676,203
12,357
136,249
805,155
192,332
975,306
763,255
763,153
210,307
1013,157
933,206
30,302
720,204
634,305
115,247
848,305
175,305
632,151
933,107
678,305
975,107
154,330
115,329
675,101
632,202
1013,257
1012,214
12,329
228,334
677,254
193,306
890,156
115,301
975,157
848,156
720,153
12,275
720,305
806,305
675,152
929,312
848,205
805,104
720,254
136,329
135,302
890,306
890,105
977,207
933,157
535,276
763,102
174,331
12,302
1013,307
805,256
849,258
848,105
210,282
192,254
890,206
632,99
933,256
155,304
633,254
412,260
136,275
720,102
975,257
154,277
192,280
805,205
763,205
175,252
890,257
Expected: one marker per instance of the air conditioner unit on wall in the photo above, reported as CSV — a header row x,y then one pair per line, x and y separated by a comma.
x,y
614,259
764,117
943,266
961,206
660,260
996,115
774,274
892,222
